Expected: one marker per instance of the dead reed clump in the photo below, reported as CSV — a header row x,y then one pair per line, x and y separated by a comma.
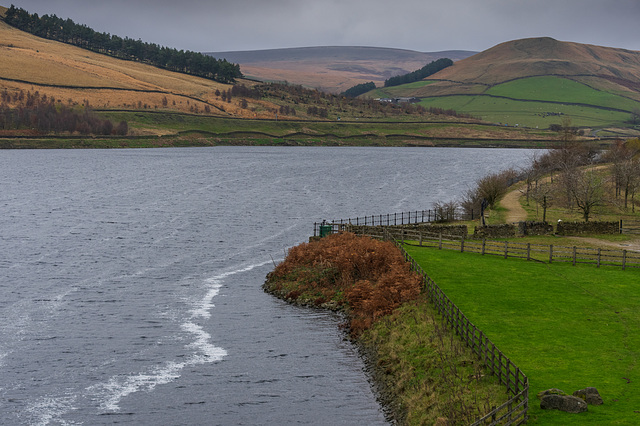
x,y
367,278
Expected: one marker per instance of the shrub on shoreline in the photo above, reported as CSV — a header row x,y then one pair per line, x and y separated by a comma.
x,y
366,278
423,373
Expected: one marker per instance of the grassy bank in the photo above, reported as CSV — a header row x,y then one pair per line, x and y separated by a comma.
x,y
195,139
566,326
160,129
424,373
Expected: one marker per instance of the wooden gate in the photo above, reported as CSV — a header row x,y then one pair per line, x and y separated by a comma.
x,y
630,226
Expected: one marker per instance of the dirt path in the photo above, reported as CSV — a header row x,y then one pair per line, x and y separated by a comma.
x,y
631,245
516,213
511,202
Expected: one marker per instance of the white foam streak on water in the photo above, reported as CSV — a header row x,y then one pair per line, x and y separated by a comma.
x,y
209,352
203,307
47,409
117,388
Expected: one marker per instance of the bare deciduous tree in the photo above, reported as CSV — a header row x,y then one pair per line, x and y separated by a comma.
x,y
445,211
588,190
543,196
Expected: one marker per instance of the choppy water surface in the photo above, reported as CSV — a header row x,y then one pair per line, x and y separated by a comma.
x,y
130,280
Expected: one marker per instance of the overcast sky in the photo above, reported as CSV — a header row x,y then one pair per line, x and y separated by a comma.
x,y
422,25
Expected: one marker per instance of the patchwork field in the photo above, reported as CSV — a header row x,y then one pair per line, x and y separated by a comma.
x,y
538,82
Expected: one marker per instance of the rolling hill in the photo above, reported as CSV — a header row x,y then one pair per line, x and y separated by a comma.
x,y
331,68
156,102
77,76
537,82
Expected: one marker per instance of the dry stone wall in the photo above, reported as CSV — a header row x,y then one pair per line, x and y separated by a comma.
x,y
455,230
534,228
494,231
577,228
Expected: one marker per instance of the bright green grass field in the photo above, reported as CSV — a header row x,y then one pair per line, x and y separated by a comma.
x,y
558,89
566,327
527,113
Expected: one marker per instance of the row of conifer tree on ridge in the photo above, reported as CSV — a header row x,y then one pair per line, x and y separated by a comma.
x,y
67,31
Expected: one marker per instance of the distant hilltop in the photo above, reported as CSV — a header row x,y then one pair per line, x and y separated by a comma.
x,y
538,82
333,68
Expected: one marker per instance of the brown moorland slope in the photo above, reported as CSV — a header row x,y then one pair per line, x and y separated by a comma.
x,y
604,68
78,76
333,68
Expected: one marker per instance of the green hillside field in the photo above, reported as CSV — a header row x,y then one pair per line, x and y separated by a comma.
x,y
535,102
541,101
566,327
559,89
534,114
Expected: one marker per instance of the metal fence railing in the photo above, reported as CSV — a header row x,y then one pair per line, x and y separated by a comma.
x,y
394,219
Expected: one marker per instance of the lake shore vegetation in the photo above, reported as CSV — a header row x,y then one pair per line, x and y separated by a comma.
x,y
423,373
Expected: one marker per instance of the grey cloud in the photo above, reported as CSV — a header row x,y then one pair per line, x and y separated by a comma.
x,y
410,24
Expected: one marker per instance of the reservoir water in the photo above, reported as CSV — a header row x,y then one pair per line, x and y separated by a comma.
x,y
130,280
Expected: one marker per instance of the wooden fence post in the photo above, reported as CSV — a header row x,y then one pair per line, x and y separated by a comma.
x,y
624,259
574,255
484,244
506,249
550,253
462,245
528,251
440,241
493,359
599,256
